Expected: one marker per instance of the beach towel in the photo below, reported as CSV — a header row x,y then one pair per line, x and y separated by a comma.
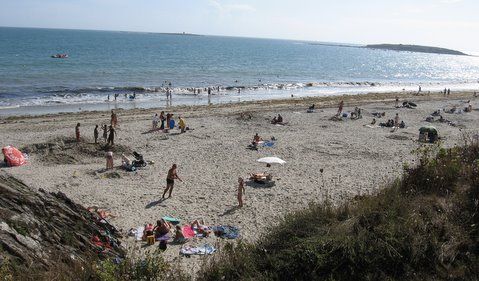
x,y
13,156
188,232
268,143
171,220
139,233
205,249
165,237
226,231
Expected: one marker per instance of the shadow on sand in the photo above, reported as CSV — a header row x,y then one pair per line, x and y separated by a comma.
x,y
155,203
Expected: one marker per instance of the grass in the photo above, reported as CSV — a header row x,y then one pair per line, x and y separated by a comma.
x,y
422,227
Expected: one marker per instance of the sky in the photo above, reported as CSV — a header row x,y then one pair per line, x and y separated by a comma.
x,y
444,23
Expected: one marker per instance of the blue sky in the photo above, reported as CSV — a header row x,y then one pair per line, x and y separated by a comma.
x,y
447,23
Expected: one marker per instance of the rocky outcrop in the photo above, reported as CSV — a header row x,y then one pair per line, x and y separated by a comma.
x,y
39,230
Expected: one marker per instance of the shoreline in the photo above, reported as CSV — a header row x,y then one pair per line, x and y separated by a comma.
x,y
151,98
320,101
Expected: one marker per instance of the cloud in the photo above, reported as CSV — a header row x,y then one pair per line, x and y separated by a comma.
x,y
228,9
450,1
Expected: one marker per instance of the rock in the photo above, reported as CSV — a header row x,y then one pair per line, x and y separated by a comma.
x,y
39,230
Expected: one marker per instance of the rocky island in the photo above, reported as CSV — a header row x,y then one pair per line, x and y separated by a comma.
x,y
416,49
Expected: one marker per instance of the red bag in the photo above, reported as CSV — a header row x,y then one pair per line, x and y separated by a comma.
x,y
13,156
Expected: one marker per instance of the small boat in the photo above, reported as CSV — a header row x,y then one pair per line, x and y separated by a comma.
x,y
60,56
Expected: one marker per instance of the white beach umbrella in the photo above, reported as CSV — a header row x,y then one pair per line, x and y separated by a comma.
x,y
271,160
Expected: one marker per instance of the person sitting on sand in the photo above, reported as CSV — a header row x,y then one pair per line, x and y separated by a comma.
x,y
77,132
162,228
256,139
373,122
181,124
277,120
200,228
241,191
179,236
148,231
125,161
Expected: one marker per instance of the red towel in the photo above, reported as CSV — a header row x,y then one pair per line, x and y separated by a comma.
x,y
188,232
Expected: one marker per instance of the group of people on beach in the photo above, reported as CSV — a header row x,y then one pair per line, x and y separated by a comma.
x,y
109,132
166,122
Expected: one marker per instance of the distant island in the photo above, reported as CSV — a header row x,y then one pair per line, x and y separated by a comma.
x,y
415,48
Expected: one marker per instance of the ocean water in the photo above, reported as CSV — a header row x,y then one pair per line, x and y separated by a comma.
x,y
103,63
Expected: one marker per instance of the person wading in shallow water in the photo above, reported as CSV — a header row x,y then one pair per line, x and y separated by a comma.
x,y
170,180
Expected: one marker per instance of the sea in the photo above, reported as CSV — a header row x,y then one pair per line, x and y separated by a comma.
x,y
140,68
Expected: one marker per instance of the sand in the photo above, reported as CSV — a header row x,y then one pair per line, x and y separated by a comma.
x,y
355,159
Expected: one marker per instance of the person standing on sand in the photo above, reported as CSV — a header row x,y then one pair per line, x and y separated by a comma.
x,y
105,132
241,192
114,119
396,122
397,102
95,134
340,108
77,132
109,160
111,136
170,180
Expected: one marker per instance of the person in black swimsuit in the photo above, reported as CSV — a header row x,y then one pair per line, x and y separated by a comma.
x,y
170,180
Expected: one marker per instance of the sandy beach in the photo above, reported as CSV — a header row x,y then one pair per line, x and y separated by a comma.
x,y
355,159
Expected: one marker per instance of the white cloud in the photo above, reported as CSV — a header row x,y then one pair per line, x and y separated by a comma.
x,y
450,1
225,9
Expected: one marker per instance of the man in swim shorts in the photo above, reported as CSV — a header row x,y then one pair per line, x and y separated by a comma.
x,y
170,180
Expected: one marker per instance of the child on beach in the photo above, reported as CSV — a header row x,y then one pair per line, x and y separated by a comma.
x,y
155,121
77,132
340,108
109,160
181,124
241,191
95,134
179,236
105,132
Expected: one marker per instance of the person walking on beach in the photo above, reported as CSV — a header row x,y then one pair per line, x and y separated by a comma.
x,y
170,180
340,108
95,134
77,132
397,102
241,192
114,119
111,136
105,132
448,91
